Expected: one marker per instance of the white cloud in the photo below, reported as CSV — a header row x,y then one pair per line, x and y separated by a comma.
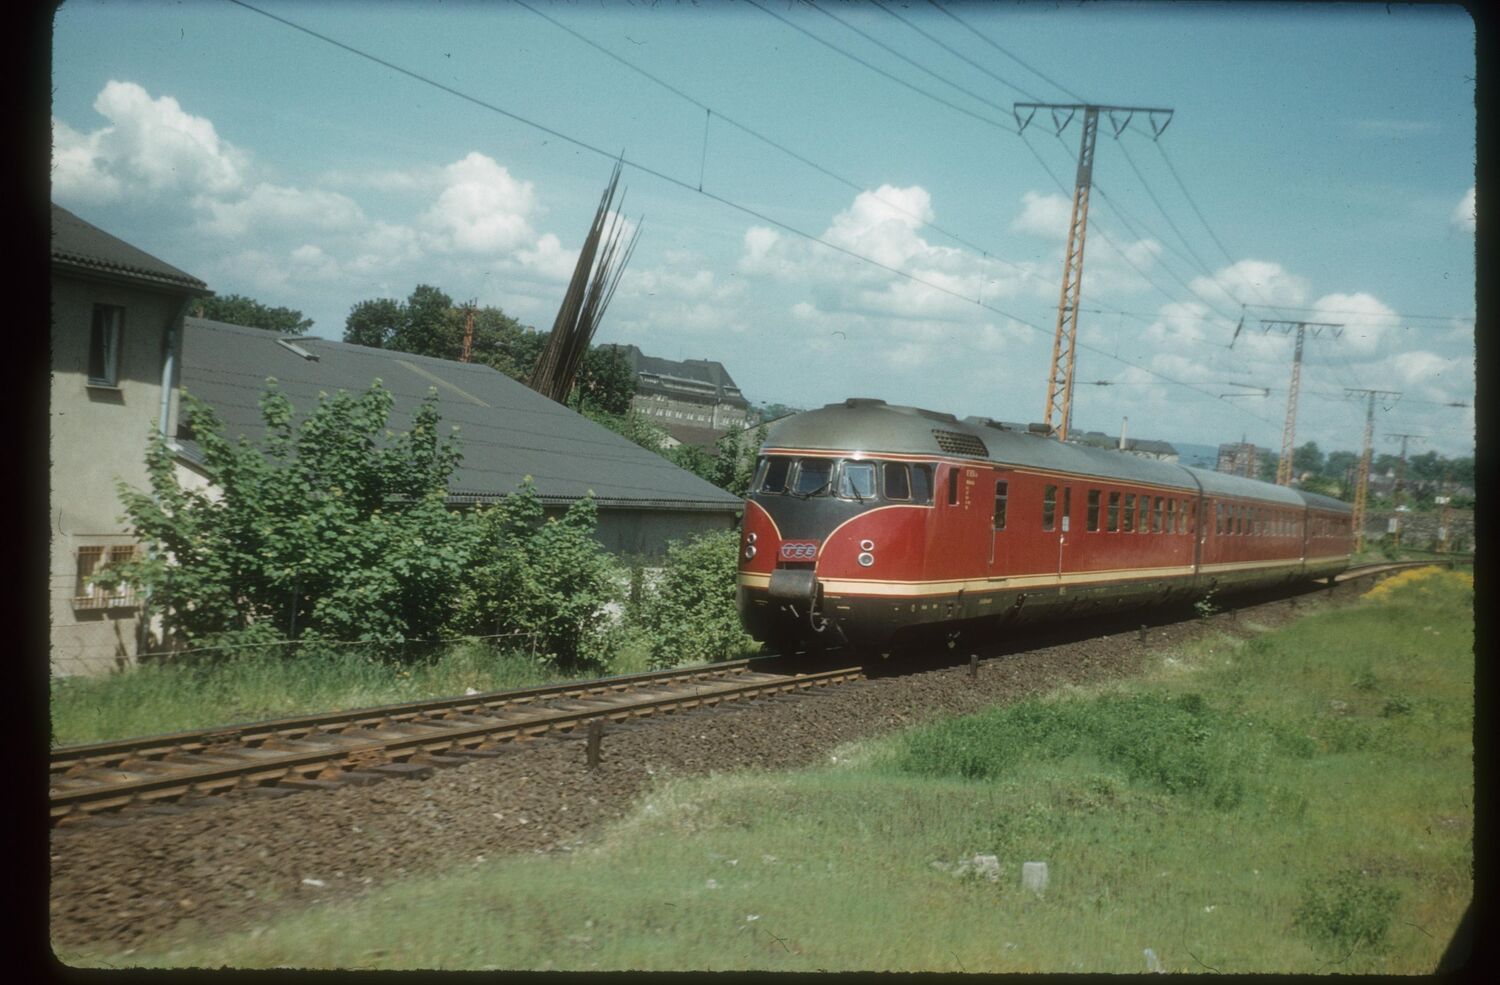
x,y
1463,215
269,207
1043,215
482,208
548,259
150,147
1366,320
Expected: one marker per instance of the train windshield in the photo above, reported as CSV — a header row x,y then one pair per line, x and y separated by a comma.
x,y
857,481
814,476
773,473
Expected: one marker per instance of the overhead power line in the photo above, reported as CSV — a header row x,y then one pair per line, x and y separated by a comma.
x,y
688,186
956,53
1005,52
877,70
846,182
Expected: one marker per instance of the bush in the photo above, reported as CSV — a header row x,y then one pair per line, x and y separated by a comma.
x,y
1346,911
546,580
689,616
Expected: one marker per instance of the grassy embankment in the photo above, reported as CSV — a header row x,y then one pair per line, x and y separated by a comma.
x,y
1301,802
170,697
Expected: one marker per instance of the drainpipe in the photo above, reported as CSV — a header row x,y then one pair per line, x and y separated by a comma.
x,y
168,365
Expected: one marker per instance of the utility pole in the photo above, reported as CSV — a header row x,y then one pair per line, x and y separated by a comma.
x,y
468,331
1060,377
1289,430
1400,478
1362,484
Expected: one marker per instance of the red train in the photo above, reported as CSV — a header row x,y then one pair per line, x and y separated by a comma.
x,y
868,522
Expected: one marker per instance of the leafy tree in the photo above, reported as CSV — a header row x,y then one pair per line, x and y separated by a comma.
x,y
735,458
633,425
1307,458
236,309
1337,464
546,579
690,615
374,323
604,382
320,532
430,326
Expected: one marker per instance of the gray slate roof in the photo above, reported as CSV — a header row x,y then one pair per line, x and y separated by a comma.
x,y
708,377
506,430
89,250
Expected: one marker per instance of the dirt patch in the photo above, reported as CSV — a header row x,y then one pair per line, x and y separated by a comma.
x,y
155,878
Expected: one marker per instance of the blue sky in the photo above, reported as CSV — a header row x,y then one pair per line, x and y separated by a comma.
x,y
1325,158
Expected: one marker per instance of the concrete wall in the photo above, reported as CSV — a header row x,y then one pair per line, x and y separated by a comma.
x,y
98,436
1420,530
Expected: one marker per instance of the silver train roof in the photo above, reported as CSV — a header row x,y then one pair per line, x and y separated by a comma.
x,y
875,427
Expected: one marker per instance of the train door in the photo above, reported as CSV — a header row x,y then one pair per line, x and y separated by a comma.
x,y
1001,561
1057,521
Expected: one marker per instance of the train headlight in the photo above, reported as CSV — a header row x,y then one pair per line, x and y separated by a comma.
x,y
866,559
749,552
867,545
750,537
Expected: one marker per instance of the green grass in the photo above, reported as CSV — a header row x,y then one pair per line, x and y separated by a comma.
x,y
169,697
1298,803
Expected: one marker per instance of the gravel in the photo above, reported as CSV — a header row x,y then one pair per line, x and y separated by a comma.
x,y
156,877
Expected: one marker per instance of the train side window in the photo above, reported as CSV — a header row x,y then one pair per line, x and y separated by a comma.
x,y
953,485
1156,515
1192,508
857,481
1093,517
1002,491
1129,525
1218,518
1049,507
773,479
1114,512
897,485
1143,515
1067,507
1172,527
921,484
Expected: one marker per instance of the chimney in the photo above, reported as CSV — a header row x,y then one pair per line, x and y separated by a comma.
x,y
1123,422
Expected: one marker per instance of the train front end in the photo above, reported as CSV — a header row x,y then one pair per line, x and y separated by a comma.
x,y
835,522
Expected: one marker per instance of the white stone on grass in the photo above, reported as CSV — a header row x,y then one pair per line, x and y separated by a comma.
x,y
1034,876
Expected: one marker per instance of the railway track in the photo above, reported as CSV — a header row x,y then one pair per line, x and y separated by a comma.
x,y
367,744
364,745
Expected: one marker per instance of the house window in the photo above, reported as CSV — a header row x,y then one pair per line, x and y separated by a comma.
x,y
1002,491
91,561
104,345
1049,507
1093,517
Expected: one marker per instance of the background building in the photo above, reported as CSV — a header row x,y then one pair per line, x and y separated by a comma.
x,y
695,394
1239,458
117,316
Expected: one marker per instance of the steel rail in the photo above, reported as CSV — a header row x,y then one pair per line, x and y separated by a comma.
x,y
328,755
63,758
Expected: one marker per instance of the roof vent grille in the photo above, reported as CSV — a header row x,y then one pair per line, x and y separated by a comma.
x,y
958,443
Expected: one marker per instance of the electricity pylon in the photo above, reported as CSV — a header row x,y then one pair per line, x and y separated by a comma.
x,y
1289,431
1060,378
1400,478
1362,484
